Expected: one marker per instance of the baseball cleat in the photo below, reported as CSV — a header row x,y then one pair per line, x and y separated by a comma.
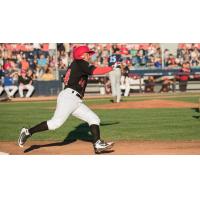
x,y
101,146
24,135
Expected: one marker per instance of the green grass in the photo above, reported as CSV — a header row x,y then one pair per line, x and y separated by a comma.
x,y
125,124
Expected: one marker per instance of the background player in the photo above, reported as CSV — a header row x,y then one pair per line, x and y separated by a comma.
x,y
69,100
115,75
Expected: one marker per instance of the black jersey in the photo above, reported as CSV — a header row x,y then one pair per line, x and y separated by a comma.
x,y
76,76
25,80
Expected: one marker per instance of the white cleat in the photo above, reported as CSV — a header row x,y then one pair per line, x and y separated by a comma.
x,y
101,146
24,135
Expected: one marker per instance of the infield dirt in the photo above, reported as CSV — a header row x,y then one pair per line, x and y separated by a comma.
x,y
120,148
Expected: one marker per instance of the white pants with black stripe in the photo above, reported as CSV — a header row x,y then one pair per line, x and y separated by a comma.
x,y
70,104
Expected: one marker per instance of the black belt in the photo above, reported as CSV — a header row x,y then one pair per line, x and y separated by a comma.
x,y
77,94
73,91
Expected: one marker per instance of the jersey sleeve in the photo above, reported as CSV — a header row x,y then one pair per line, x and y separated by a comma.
x,y
87,68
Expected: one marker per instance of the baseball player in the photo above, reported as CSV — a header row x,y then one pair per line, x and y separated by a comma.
x,y
25,83
125,79
69,101
115,75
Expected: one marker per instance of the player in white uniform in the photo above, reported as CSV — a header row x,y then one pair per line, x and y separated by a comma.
x,y
69,101
115,75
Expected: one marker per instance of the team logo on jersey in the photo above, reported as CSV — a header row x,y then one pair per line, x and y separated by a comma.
x,y
82,83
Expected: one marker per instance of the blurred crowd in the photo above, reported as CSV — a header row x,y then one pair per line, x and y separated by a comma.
x,y
186,53
22,63
143,55
40,58
138,55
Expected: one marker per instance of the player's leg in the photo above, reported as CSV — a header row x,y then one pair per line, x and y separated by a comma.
x,y
122,83
21,88
30,90
14,89
127,86
1,90
7,90
112,81
86,114
117,83
66,104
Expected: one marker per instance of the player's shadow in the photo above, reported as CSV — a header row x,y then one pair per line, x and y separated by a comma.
x,y
197,111
81,132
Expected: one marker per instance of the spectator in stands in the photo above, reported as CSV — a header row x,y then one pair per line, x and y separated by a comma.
x,y
158,62
48,75
170,62
166,85
52,49
166,56
114,47
7,65
150,61
24,64
183,76
42,64
194,57
25,83
63,61
33,63
9,84
179,61
45,49
149,84
37,49
60,48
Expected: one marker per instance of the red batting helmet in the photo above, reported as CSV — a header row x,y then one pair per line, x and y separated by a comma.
x,y
79,51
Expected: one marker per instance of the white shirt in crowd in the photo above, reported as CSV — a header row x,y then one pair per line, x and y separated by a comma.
x,y
36,45
52,46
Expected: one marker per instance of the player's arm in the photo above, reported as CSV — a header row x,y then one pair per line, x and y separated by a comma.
x,y
92,70
101,70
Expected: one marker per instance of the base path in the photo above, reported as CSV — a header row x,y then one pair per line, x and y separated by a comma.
x,y
120,148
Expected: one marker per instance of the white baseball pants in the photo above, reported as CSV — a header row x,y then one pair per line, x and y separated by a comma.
x,y
115,78
68,103
125,85
28,87
1,89
11,90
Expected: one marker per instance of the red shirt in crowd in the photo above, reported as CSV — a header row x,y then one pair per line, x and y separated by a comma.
x,y
7,65
45,47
